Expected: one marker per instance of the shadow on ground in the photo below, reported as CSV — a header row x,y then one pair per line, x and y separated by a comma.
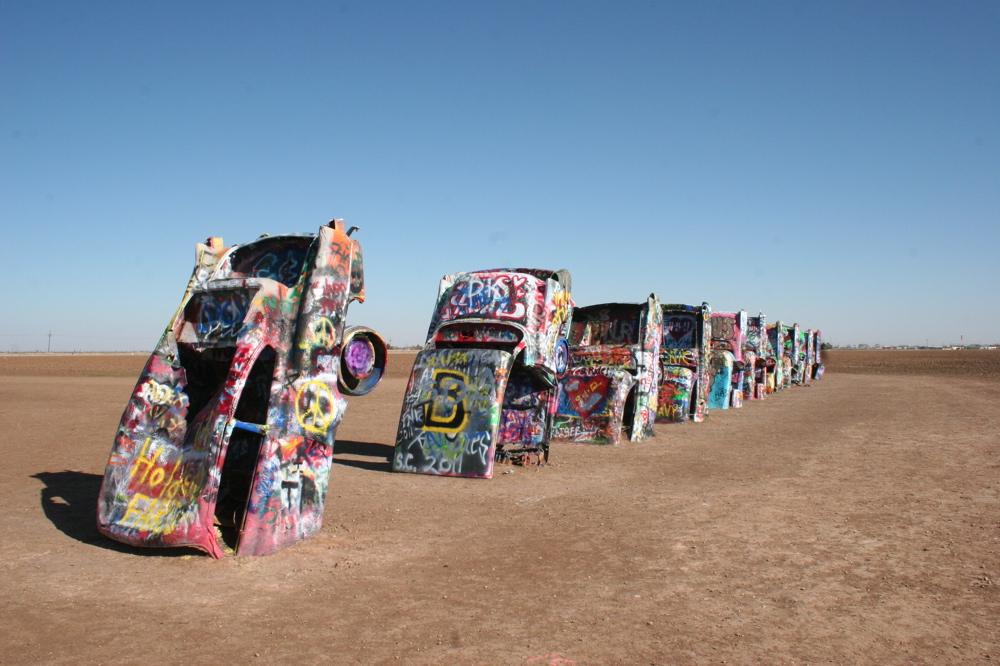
x,y
368,449
69,500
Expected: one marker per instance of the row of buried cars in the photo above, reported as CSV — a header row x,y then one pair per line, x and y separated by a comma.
x,y
227,441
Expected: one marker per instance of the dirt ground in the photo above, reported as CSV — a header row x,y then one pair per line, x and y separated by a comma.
x,y
853,521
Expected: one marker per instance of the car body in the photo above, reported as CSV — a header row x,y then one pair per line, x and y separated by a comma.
x,y
800,357
726,364
817,369
233,420
776,334
807,352
758,374
613,377
684,363
484,385
789,336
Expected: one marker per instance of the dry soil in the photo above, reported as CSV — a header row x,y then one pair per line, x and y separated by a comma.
x,y
856,520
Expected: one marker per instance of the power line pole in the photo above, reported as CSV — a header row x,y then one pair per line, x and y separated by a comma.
x,y
49,350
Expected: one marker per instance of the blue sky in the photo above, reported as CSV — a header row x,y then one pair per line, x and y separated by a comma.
x,y
835,164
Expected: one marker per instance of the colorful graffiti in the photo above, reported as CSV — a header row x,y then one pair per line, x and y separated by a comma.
x,y
676,388
502,296
483,388
227,440
756,352
591,406
611,388
729,330
817,367
776,367
791,358
684,361
451,413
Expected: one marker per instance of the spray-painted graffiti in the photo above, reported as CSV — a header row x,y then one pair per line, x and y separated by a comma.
x,y
680,331
218,315
477,333
684,386
591,405
682,357
791,358
611,388
728,341
721,363
483,388
600,356
490,296
756,350
817,367
676,388
445,410
282,264
776,368
585,395
315,406
451,412
232,422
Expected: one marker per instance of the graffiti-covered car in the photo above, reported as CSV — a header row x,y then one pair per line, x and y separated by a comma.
x,y
781,369
758,373
684,357
233,420
799,355
816,371
483,386
806,340
726,364
610,388
789,336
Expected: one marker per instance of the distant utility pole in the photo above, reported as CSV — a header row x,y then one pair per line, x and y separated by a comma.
x,y
49,350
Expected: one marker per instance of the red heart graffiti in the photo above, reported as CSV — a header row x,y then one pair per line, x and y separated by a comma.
x,y
678,327
587,395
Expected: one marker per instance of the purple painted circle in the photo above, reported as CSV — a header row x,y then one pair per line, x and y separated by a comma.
x,y
359,356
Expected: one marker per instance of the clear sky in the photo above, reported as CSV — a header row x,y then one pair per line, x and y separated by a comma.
x,y
831,163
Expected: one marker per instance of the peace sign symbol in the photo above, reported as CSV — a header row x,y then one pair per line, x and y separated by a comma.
x,y
323,332
314,406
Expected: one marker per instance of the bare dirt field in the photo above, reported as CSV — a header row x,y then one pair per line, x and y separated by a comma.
x,y
856,520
